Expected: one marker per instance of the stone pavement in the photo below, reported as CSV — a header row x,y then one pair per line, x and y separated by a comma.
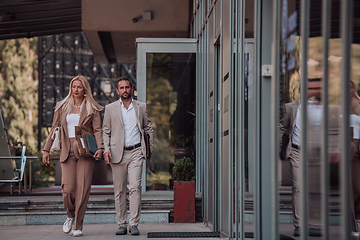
x,y
96,231
107,231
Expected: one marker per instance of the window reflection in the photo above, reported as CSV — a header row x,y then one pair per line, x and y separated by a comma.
x,y
170,96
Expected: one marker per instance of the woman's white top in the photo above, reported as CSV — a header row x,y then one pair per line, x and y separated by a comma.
x,y
72,120
355,124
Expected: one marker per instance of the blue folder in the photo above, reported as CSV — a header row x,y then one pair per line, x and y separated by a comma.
x,y
91,143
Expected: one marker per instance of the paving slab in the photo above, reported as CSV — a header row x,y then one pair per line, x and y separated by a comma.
x,y
96,231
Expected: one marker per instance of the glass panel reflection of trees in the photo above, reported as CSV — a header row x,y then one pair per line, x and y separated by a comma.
x,y
170,98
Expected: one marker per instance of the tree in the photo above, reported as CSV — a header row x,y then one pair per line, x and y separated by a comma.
x,y
18,90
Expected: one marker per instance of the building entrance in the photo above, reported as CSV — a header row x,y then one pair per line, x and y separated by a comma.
x,y
166,73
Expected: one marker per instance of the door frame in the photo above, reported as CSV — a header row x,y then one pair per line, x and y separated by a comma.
x,y
157,45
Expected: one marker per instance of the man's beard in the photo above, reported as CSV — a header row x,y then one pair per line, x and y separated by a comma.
x,y
126,97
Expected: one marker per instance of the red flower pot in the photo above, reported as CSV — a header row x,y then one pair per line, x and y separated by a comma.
x,y
184,201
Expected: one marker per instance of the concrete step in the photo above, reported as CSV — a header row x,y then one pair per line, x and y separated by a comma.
x,y
30,210
37,210
50,210
91,217
93,205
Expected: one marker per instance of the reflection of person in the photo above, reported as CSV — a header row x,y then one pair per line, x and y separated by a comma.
x,y
355,163
315,115
291,124
314,142
78,108
125,123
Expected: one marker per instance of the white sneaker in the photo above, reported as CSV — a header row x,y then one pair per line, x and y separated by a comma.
x,y
68,225
355,234
77,233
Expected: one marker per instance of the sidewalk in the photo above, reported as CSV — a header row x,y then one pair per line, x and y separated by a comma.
x,y
96,231
101,230
107,231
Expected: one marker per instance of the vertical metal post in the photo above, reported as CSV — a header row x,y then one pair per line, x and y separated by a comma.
x,y
237,130
346,40
241,128
198,102
275,119
304,33
231,118
201,42
220,127
206,113
326,6
205,109
41,93
303,99
206,120
216,137
201,67
202,118
256,112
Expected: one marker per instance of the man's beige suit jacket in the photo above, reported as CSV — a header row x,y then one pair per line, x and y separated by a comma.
x,y
114,132
287,123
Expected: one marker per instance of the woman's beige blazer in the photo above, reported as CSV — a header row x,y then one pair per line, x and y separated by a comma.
x,y
93,121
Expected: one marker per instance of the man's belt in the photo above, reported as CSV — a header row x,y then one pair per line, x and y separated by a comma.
x,y
295,146
132,147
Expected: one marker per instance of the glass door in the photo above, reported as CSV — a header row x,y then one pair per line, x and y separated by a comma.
x,y
166,77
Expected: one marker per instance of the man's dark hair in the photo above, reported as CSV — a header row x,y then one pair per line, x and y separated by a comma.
x,y
123,79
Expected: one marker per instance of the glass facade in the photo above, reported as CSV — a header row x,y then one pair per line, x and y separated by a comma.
x,y
257,63
265,71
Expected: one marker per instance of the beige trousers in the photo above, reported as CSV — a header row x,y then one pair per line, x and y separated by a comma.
x,y
76,184
128,170
355,182
296,185
314,186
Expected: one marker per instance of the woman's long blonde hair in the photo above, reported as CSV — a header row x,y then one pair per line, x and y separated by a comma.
x,y
91,105
355,100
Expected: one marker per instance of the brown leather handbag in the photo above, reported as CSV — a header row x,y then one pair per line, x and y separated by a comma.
x,y
81,140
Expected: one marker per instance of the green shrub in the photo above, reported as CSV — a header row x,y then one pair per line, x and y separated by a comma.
x,y
184,169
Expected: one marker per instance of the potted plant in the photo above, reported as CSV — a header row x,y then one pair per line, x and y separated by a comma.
x,y
184,190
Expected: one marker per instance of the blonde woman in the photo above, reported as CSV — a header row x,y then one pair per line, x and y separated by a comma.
x,y
355,153
78,108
